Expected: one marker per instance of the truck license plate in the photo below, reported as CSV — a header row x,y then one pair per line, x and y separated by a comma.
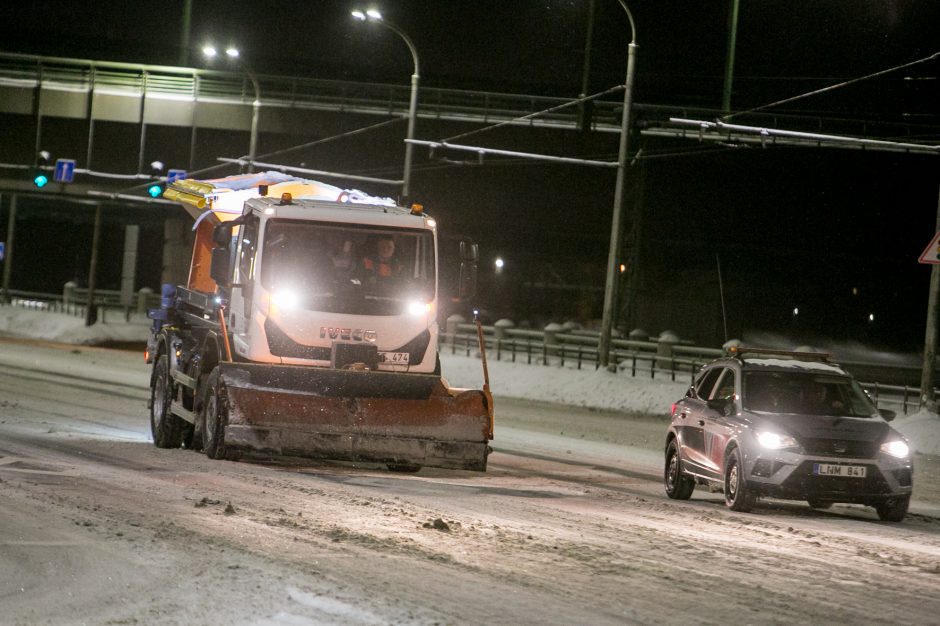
x,y
850,471
397,358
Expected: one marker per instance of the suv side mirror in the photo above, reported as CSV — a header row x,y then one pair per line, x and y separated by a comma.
x,y
887,414
467,279
721,405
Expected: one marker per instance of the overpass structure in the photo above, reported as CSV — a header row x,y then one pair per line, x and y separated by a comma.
x,y
84,109
93,95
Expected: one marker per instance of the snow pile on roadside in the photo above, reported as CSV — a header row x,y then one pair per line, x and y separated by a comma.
x,y
922,430
565,385
562,385
48,326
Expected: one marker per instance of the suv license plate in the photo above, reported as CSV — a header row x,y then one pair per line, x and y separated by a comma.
x,y
398,358
828,469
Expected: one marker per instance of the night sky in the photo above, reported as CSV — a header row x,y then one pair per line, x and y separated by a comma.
x,y
834,233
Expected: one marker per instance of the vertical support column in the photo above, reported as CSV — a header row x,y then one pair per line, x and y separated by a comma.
x,y
90,117
129,267
8,252
194,124
616,228
91,314
585,108
930,336
37,110
143,123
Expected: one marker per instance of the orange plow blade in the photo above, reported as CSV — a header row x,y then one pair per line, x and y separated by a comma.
x,y
404,420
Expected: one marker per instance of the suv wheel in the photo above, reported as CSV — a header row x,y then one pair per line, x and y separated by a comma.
x,y
678,485
738,495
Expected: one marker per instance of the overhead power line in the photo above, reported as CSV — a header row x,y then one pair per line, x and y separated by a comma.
x,y
933,56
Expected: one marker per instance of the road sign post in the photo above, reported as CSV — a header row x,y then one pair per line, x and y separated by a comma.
x,y
931,254
64,170
172,175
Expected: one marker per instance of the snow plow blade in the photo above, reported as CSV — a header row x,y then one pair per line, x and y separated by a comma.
x,y
403,420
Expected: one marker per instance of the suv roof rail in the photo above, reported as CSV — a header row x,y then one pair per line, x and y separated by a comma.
x,y
738,352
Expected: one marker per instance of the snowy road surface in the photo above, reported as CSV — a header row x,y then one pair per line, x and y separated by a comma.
x,y
569,526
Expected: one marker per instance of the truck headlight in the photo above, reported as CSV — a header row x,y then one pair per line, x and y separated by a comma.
x,y
896,448
416,307
776,441
285,299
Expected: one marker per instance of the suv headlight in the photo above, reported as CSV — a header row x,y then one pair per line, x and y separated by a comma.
x,y
896,448
776,441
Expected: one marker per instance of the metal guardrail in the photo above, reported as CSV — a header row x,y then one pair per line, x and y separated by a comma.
x,y
667,360
575,348
74,301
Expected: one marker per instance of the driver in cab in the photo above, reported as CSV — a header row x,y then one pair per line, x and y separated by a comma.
x,y
381,264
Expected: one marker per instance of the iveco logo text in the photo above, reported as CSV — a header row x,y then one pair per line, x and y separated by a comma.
x,y
355,334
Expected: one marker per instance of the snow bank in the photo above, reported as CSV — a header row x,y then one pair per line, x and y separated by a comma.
x,y
588,388
922,430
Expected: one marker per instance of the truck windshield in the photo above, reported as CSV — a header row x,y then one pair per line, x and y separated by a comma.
x,y
806,393
359,270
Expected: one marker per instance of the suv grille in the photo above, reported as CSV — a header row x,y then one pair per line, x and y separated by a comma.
x,y
840,448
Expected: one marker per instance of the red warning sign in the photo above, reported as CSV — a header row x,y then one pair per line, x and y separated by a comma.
x,y
932,253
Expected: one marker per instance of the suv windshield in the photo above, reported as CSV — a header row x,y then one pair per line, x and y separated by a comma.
x,y
805,393
348,269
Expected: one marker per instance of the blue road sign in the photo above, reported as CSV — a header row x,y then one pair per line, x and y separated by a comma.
x,y
3,250
172,175
64,170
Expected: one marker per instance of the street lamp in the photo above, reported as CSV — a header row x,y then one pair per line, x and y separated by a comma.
x,y
232,53
616,227
373,15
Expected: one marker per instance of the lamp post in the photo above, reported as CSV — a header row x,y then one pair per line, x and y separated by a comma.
x,y
233,54
613,259
375,16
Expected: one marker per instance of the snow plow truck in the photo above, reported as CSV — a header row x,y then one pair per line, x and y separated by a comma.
x,y
293,337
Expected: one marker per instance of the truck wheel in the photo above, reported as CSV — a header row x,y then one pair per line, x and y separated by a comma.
x,y
166,428
738,495
678,485
214,417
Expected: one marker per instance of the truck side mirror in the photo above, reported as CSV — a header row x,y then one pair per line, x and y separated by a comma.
x,y
467,279
220,268
222,234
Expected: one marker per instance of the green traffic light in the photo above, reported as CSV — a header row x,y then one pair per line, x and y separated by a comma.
x,y
40,180
154,191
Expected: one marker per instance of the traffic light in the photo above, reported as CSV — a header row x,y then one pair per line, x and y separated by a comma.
x,y
156,171
39,177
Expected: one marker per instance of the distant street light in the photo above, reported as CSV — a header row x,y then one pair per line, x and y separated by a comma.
x,y
232,53
373,15
616,227
499,263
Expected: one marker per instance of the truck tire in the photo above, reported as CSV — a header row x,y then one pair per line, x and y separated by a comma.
x,y
214,417
167,429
